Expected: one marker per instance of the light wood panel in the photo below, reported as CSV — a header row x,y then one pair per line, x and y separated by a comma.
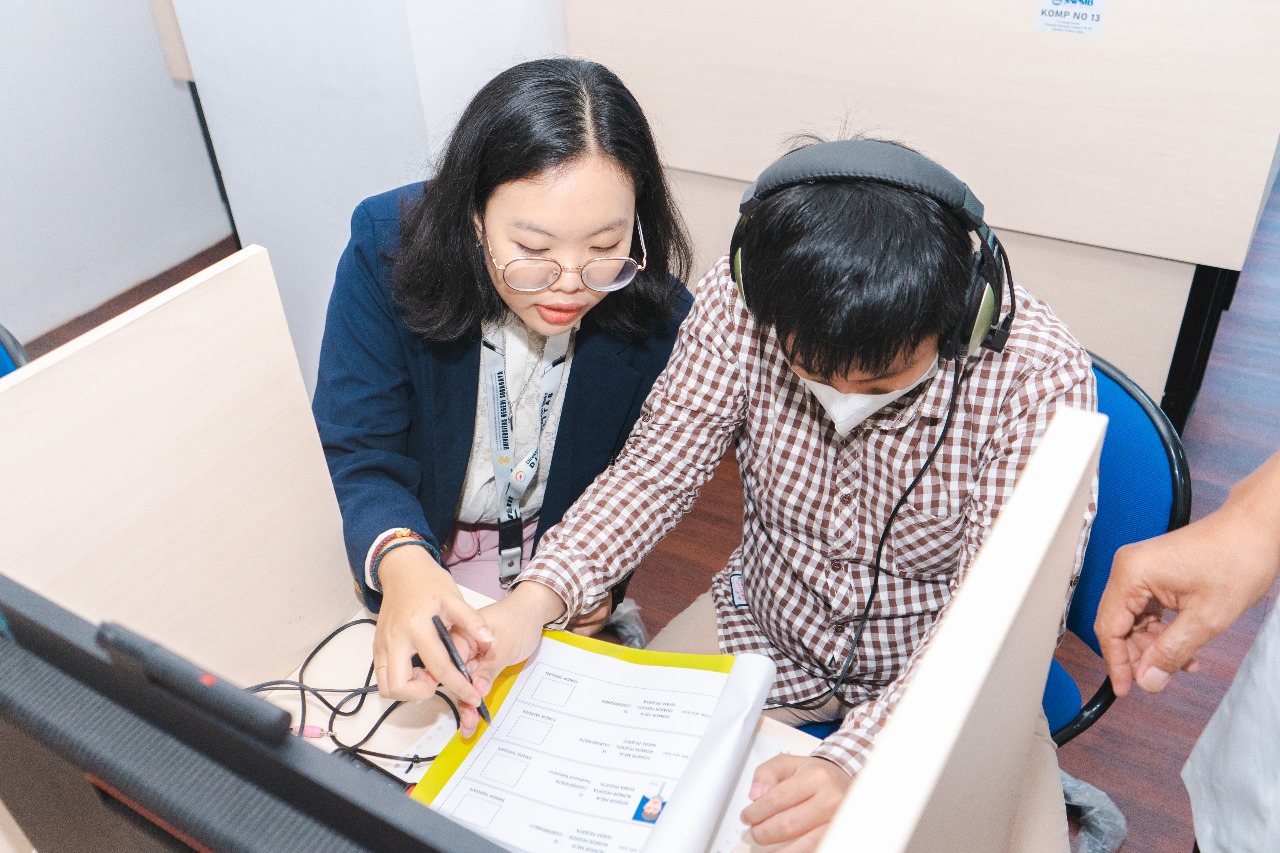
x,y
1125,307
175,50
12,838
1154,137
163,471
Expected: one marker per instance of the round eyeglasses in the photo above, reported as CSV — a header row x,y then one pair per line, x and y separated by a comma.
x,y
601,274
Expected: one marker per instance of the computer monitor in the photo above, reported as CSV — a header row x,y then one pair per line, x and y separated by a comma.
x,y
115,743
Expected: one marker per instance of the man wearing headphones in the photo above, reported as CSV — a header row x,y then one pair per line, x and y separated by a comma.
x,y
883,382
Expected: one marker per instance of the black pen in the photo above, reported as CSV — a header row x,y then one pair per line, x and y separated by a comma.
x,y
457,661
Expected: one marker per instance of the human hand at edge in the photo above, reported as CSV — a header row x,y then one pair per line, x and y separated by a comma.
x,y
794,799
1209,573
415,588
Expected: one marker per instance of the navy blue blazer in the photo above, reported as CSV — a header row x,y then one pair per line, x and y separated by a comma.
x,y
397,413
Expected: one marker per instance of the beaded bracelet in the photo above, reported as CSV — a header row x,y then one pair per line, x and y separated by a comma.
x,y
404,533
402,536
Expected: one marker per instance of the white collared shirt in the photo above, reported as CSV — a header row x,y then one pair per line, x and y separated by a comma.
x,y
524,350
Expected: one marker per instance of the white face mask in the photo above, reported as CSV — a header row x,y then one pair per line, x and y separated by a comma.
x,y
849,410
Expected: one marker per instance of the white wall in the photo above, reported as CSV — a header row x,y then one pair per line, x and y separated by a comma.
x,y
458,47
103,172
314,105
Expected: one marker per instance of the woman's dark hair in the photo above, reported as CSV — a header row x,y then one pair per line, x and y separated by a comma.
x,y
852,274
530,118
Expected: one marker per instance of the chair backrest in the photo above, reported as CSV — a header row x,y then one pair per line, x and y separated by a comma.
x,y
12,355
1144,487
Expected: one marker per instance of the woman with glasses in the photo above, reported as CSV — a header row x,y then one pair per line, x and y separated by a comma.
x,y
490,338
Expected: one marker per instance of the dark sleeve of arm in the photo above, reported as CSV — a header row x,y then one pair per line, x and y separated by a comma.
x,y
363,405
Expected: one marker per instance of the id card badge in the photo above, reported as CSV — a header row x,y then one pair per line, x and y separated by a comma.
x,y
737,590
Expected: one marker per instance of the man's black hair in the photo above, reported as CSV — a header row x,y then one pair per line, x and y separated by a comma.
x,y
530,118
854,274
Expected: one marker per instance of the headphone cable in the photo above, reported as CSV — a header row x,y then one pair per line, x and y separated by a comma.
x,y
815,703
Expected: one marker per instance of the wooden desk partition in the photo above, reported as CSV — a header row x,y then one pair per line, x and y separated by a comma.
x,y
948,771
1156,135
163,471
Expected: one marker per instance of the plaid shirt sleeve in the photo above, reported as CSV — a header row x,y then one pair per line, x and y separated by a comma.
x,y
1066,380
687,423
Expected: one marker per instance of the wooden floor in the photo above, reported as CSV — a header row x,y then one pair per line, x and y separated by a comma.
x,y
1136,751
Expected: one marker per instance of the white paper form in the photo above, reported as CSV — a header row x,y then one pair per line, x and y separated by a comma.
x,y
587,751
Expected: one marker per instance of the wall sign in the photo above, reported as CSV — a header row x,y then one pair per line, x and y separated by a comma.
x,y
1077,17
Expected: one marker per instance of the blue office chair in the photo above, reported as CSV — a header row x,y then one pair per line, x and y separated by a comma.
x,y
12,355
1144,489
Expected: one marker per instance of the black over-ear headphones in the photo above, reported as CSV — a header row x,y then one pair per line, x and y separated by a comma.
x,y
873,160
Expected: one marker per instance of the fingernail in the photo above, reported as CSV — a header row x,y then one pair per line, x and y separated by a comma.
x,y
1154,680
757,789
485,634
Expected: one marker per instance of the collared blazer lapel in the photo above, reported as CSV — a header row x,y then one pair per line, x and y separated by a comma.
x,y
454,368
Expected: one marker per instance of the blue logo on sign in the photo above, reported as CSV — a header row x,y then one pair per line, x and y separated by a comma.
x,y
1073,2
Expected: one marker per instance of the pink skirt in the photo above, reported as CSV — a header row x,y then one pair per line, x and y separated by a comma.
x,y
472,556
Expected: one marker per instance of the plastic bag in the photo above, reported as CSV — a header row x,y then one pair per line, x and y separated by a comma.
x,y
626,623
1102,826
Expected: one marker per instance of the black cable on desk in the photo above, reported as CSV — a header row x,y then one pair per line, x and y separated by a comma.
x,y
349,694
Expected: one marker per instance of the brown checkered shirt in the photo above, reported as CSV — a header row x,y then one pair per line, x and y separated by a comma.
x,y
815,504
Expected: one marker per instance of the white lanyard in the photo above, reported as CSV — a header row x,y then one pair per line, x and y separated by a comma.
x,y
513,478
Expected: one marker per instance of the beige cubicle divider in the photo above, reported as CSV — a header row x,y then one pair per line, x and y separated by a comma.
x,y
949,769
175,50
1155,137
12,838
163,471
1124,306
